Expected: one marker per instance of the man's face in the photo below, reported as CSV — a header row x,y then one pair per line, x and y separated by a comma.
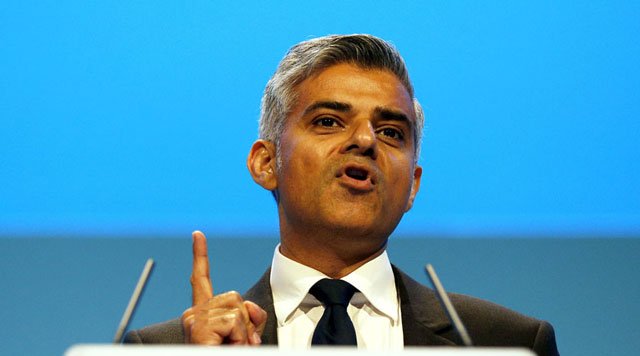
x,y
347,155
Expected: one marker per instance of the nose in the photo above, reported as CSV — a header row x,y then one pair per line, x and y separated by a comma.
x,y
362,140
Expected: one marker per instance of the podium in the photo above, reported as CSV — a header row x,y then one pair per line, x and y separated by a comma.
x,y
185,350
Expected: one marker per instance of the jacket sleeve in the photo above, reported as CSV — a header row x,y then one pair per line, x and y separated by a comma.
x,y
132,337
545,341
169,332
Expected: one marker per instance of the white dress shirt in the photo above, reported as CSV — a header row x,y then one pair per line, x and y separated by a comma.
x,y
374,310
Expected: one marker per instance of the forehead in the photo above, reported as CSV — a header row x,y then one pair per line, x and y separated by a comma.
x,y
360,87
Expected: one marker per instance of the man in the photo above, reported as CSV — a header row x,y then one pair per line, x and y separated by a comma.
x,y
340,134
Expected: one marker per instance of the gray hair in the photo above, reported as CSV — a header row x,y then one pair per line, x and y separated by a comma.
x,y
310,57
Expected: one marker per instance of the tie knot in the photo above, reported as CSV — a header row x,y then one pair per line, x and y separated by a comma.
x,y
333,291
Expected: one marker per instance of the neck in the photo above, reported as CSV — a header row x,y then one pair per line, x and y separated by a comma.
x,y
334,257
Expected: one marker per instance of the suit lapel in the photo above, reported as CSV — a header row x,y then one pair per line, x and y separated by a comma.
x,y
261,294
423,321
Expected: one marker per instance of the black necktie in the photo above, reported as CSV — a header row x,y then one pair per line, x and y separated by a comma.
x,y
335,326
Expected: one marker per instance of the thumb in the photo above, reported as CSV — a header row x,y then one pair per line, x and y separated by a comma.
x,y
258,318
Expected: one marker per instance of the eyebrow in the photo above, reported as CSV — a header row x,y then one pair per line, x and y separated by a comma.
x,y
332,105
382,112
392,115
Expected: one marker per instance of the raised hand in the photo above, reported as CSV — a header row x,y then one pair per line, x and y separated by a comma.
x,y
218,319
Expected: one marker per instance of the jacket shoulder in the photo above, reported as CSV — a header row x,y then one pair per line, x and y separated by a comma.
x,y
488,324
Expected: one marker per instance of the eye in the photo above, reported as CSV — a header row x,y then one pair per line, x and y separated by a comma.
x,y
392,133
326,122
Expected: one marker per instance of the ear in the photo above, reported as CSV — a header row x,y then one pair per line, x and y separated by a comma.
x,y
262,164
415,186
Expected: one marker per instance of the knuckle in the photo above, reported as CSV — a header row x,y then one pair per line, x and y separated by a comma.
x,y
237,312
211,313
234,316
234,296
226,320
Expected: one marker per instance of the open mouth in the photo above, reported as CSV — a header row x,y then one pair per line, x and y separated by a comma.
x,y
357,173
357,177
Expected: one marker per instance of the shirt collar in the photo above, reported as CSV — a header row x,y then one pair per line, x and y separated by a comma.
x,y
376,282
291,281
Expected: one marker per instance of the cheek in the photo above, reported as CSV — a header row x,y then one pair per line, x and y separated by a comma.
x,y
401,177
301,168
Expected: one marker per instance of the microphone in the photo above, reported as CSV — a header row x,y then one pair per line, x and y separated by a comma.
x,y
133,302
448,306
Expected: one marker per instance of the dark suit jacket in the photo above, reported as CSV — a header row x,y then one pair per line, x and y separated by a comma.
x,y
424,323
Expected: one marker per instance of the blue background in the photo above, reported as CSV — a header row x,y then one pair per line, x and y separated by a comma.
x,y
121,120
137,117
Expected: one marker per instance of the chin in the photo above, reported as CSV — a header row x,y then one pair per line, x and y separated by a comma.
x,y
365,227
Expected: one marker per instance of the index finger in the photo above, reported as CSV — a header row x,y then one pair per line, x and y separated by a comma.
x,y
201,289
